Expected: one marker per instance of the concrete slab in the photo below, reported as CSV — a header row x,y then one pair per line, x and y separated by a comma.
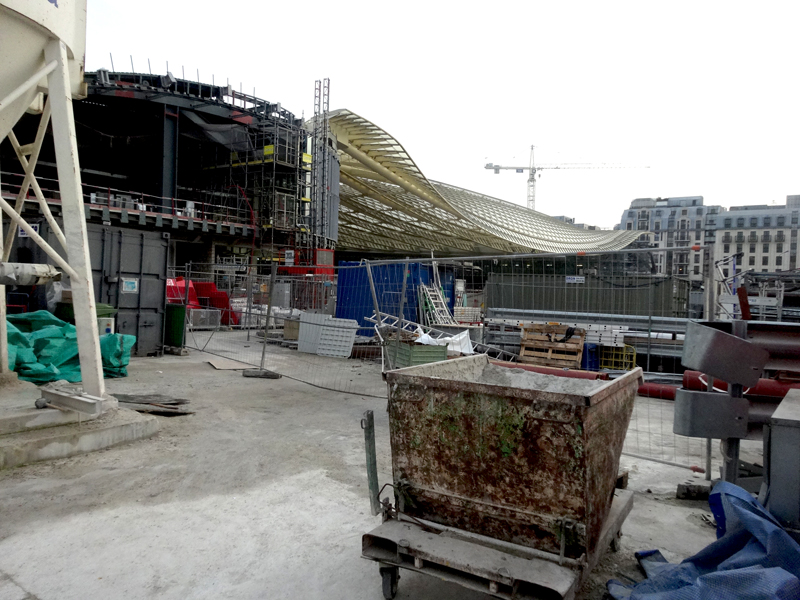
x,y
110,429
34,418
261,493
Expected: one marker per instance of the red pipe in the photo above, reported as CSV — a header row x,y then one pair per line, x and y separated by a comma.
x,y
572,373
663,391
695,380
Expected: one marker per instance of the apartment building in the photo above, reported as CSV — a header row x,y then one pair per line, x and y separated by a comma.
x,y
759,238
679,225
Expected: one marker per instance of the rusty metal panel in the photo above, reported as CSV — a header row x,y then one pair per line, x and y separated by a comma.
x,y
519,465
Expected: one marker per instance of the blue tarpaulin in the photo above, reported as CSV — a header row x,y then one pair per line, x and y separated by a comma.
x,y
753,558
354,297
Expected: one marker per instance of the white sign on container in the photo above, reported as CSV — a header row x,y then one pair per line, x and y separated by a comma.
x,y
22,233
574,279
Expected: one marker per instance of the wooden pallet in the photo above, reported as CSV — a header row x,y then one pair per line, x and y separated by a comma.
x,y
538,346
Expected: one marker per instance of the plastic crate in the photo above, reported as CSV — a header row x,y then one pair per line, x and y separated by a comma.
x,y
412,354
326,336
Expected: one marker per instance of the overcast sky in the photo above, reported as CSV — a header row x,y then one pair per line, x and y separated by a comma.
x,y
704,93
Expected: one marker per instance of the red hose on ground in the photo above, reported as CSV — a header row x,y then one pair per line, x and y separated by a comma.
x,y
695,380
664,391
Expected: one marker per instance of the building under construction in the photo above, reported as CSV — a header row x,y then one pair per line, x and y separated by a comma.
x,y
231,177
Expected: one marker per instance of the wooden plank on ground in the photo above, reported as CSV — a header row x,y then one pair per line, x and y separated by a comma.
x,y
226,364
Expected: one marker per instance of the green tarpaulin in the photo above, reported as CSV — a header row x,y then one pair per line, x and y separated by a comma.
x,y
42,348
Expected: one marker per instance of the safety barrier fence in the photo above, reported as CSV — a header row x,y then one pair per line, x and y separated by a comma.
x,y
633,314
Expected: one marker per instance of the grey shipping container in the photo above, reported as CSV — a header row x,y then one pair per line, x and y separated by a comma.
x,y
129,269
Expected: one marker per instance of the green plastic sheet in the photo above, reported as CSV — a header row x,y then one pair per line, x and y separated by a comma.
x,y
42,348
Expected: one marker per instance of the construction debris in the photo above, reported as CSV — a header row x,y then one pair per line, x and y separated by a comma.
x,y
156,404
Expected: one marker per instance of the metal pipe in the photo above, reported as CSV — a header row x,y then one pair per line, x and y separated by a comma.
x,y
272,277
27,84
4,366
368,425
27,274
400,319
658,460
14,216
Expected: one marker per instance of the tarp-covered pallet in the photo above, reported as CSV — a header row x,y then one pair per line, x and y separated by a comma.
x,y
42,348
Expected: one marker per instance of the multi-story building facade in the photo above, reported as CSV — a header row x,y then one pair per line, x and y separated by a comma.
x,y
752,238
758,237
680,225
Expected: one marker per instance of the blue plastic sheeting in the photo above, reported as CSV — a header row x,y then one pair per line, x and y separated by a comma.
x,y
753,558
354,298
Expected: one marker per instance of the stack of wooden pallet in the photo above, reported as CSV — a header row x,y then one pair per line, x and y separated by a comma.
x,y
551,346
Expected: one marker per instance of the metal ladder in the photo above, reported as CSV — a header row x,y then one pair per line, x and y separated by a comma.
x,y
435,311
391,322
434,306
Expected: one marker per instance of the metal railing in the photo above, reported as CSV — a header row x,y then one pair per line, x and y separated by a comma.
x,y
136,202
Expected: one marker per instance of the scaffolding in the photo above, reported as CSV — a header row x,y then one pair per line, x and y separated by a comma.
x,y
265,174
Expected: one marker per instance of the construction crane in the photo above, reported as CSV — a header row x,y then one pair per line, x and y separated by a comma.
x,y
533,173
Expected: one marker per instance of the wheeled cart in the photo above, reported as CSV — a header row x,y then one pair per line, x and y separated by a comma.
x,y
496,567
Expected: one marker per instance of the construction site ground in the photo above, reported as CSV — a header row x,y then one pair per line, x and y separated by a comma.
x,y
261,493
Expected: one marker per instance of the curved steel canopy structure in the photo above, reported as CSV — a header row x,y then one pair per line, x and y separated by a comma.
x,y
387,204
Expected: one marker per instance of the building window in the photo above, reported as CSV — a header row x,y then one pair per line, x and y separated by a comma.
x,y
726,248
794,217
724,272
793,247
657,226
752,248
671,224
658,213
752,260
753,222
738,248
779,260
656,238
764,261
781,221
794,233
697,235
696,258
740,222
699,211
631,214
778,247
672,213
712,223
683,224
698,224
697,270
765,249
684,212
728,223
629,226
767,221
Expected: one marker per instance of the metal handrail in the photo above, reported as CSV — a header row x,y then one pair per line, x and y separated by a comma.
x,y
139,202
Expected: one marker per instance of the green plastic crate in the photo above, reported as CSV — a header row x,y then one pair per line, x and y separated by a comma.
x,y
411,355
